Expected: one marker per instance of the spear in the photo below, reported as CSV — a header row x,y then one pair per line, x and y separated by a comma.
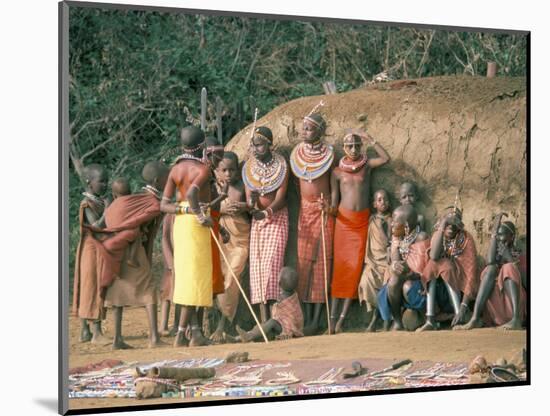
x,y
325,262
219,109
203,108
238,284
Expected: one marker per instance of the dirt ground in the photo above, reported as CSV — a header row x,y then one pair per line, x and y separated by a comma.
x,y
450,346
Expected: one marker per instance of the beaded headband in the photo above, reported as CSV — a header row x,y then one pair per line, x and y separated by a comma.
x,y
193,149
351,135
313,121
263,136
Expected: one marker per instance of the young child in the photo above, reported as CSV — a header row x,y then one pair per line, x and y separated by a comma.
x,y
408,195
87,301
121,187
287,320
409,248
376,256
501,293
235,219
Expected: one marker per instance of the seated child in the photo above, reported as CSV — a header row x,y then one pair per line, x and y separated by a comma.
x,y
121,187
286,320
501,294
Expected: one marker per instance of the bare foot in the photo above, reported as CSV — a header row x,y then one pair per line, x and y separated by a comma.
x,y
397,326
283,337
85,335
473,323
312,330
338,328
121,345
180,340
243,335
513,325
217,336
230,339
198,341
100,339
157,343
372,324
428,326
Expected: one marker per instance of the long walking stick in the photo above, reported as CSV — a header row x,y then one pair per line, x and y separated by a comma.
x,y
238,284
325,262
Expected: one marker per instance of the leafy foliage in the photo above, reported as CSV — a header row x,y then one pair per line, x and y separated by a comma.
x,y
136,77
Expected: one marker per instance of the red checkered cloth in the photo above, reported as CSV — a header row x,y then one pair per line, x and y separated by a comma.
x,y
498,309
288,313
268,239
311,268
460,271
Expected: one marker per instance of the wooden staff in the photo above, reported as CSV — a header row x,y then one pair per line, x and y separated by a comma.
x,y
238,284
325,262
203,109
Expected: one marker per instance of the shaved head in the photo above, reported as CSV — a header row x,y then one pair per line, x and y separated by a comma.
x,y
121,187
93,171
155,173
191,137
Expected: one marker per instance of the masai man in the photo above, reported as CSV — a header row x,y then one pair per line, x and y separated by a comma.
x,y
350,185
311,162
190,176
265,175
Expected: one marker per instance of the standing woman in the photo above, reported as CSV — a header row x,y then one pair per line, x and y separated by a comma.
x,y
265,175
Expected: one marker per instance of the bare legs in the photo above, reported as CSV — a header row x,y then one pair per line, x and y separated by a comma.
x,y
85,333
311,318
118,341
512,291
430,308
485,289
164,317
336,325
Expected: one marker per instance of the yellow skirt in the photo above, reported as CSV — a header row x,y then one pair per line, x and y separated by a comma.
x,y
192,261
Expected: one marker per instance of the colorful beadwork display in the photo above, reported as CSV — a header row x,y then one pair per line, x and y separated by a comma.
x,y
310,161
264,177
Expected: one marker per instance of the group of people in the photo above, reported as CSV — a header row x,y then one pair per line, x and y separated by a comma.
x,y
217,217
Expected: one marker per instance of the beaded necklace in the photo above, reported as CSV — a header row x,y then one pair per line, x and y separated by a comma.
x,y
405,244
152,190
455,246
96,200
264,177
189,156
310,161
352,166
